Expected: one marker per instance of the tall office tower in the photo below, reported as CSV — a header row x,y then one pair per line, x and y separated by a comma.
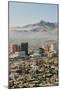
x,y
18,48
41,51
52,47
15,48
24,47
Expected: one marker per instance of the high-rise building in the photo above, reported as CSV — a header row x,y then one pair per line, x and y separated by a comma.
x,y
52,47
15,48
24,47
41,51
18,48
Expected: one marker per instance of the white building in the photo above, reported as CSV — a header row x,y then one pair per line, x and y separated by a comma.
x,y
18,54
52,47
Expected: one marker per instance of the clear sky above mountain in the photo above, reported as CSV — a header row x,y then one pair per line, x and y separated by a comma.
x,y
27,13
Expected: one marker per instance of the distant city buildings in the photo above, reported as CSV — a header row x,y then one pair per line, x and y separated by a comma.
x,y
24,47
15,48
18,51
41,51
21,51
34,67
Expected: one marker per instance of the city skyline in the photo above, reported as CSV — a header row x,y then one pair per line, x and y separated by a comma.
x,y
33,45
28,13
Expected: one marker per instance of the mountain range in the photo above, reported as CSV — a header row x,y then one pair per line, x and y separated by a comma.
x,y
36,27
35,34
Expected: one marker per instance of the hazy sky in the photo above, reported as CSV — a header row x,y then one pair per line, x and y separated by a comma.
x,y
26,13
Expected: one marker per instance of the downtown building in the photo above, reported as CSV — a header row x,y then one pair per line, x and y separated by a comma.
x,y
24,47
